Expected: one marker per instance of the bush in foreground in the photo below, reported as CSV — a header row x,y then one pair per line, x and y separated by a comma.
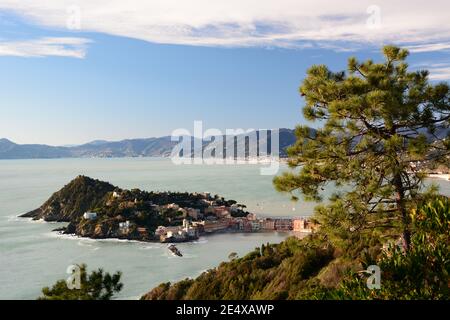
x,y
98,285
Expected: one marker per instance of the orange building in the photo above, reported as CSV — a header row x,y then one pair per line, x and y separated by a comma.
x,y
303,225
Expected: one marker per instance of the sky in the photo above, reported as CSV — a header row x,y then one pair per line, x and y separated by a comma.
x,y
76,71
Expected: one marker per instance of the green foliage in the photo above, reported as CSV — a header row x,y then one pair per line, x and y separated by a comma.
x,y
420,273
71,202
379,136
98,285
232,256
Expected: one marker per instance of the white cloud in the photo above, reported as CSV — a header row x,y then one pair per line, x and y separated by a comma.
x,y
62,47
286,23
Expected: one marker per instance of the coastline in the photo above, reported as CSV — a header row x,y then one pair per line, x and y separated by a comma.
x,y
61,235
202,239
440,176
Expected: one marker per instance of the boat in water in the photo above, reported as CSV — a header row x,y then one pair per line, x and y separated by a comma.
x,y
175,250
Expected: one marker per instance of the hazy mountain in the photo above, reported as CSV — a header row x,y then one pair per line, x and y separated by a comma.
x,y
151,147
286,139
10,150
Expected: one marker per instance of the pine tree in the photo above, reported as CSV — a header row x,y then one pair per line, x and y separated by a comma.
x,y
382,127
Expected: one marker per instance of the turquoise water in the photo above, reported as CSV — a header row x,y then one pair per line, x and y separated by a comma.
x,y
31,256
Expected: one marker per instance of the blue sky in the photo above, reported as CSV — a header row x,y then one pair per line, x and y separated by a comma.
x,y
64,86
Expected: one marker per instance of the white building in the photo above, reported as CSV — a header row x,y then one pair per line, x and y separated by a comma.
x,y
124,227
173,206
90,215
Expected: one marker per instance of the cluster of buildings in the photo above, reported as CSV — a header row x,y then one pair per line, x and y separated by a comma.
x,y
200,214
191,230
253,224
183,233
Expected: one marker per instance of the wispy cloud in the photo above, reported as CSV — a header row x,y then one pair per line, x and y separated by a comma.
x,y
42,47
430,47
440,71
285,23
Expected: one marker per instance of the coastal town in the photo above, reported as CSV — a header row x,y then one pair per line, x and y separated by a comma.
x,y
99,210
251,223
192,230
208,215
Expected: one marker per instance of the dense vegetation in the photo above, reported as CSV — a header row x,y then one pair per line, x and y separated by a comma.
x,y
269,272
420,273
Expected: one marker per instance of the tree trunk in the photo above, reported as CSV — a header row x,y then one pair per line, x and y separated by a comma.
x,y
401,207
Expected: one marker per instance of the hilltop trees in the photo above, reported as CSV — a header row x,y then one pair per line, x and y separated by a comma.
x,y
381,128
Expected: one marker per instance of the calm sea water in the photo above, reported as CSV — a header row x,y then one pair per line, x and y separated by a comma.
x,y
31,256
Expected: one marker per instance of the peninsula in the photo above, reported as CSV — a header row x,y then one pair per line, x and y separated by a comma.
x,y
100,210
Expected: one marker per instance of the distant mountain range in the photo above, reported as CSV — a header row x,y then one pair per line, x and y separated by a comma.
x,y
151,147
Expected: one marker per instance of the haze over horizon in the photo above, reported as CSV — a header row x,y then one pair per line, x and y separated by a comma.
x,y
73,75
100,141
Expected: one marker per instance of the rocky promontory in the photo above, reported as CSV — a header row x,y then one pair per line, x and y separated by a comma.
x,y
71,202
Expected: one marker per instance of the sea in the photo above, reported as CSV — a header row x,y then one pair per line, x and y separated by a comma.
x,y
33,257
